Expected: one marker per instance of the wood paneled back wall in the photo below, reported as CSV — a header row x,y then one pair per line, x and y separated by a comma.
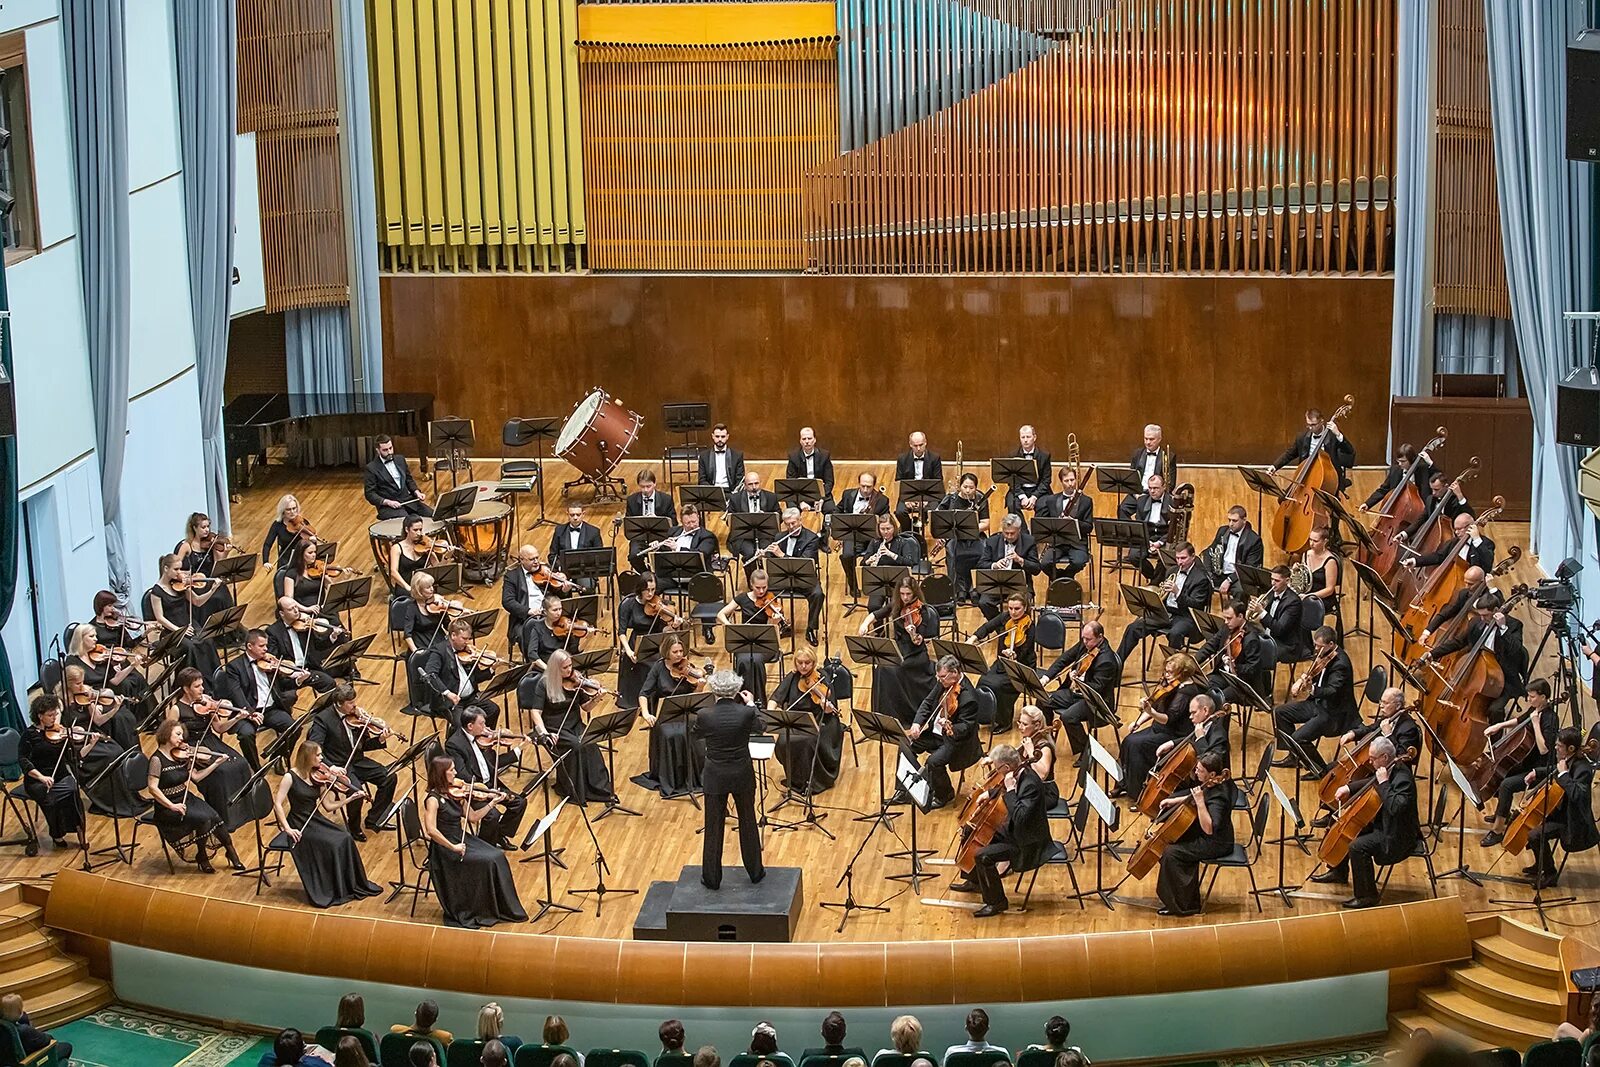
x,y
1227,363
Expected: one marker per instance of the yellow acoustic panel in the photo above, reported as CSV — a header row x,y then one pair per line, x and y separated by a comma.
x,y
699,24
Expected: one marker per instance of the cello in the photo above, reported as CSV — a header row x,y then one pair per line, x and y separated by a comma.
x,y
1399,510
982,816
1359,810
1299,513
1449,577
1164,830
1539,802
1503,755
1171,770
1354,764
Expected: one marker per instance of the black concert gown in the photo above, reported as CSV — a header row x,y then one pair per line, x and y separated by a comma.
x,y
583,776
330,866
475,890
676,755
810,761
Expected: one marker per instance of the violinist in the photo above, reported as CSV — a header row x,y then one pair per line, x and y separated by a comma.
x,y
574,535
1572,820
198,553
640,614
1235,543
813,464
288,525
206,723
179,813
1012,548
522,593
1541,718
389,485
454,671
1153,507
303,640
1494,631
759,606
48,758
1163,717
1090,664
810,761
171,604
558,717
946,729
796,542
1320,436
1473,586
472,877
1024,492
962,556
1390,837
1404,456
751,499
423,616
1020,844
864,499
1038,749
676,756
479,754
330,867
1322,700
906,620
305,577
347,734
1475,548
1188,586
1237,650
1066,558
552,630
1210,837
112,626
410,554
121,721
265,687
109,792
1012,632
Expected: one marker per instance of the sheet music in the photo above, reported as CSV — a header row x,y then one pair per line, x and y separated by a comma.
x,y
1105,759
909,775
1100,802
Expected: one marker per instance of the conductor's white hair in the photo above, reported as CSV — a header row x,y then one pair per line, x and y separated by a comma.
x,y
726,684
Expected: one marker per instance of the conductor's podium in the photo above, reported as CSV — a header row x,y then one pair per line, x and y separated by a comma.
x,y
686,910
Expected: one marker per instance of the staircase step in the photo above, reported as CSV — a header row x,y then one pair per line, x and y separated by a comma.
x,y
10,893
66,1003
1508,993
1530,937
1470,1015
43,975
1403,1023
25,947
1517,960
20,916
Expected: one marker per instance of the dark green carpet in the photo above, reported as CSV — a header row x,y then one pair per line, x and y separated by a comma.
x,y
120,1036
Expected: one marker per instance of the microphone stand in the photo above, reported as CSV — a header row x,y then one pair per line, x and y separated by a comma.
x,y
601,868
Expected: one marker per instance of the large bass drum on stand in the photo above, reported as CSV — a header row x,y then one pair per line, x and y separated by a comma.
x,y
595,438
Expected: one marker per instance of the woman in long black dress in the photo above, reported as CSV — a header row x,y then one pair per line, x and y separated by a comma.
x,y
48,756
289,526
676,755
109,792
757,607
900,690
296,580
331,871
173,608
207,722
180,813
558,714
409,555
1038,751
1165,718
471,876
810,761
640,614
121,723
198,553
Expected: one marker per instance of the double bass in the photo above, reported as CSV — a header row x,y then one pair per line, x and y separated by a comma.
x,y
1449,577
1458,706
1399,510
1430,536
1299,512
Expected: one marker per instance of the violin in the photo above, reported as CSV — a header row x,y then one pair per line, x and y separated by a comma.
x,y
187,753
811,685
334,778
207,707
1302,685
491,738
186,581
274,665
689,673
58,733
119,655
463,791
300,525
314,624
663,613
482,657
213,540
438,605
909,618
545,575
564,627
767,604
323,569
369,722
436,546
588,685
88,697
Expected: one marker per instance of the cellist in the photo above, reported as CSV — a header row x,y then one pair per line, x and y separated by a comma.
x,y
1388,838
1572,820
1542,720
1020,843
1210,837
1209,730
1392,720
1498,633
1320,436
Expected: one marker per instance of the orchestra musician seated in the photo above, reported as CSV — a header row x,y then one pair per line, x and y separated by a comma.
x,y
890,548
963,554
1390,837
796,542
1322,702
813,464
1404,456
266,687
1571,823
1443,495
1013,548
303,640
864,499
750,499
479,754
1188,586
1495,631
1209,837
1236,648
1472,587
1090,664
1153,507
917,463
1023,493
521,593
1020,844
1281,614
1475,548
721,465
1013,632
1394,721
454,672
574,535
757,606
1070,556
389,485
1163,716
1320,436
688,536
646,501
1208,730
946,728
347,734
1236,542
1541,720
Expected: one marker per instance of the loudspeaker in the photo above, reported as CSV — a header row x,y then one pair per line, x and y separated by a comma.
x,y
1583,104
1578,408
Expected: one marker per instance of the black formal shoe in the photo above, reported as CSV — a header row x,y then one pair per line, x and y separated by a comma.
x,y
1360,902
358,834
756,879
937,803
1331,878
811,637
1284,761
1544,880
900,797
506,845
1493,838
1322,822
988,910
710,635
1118,793
237,864
205,867
59,842
966,885
1530,868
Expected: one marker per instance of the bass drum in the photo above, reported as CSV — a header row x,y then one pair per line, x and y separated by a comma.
x,y
597,435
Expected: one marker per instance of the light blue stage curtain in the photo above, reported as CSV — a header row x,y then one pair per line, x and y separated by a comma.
x,y
10,532
361,199
1546,206
97,89
1472,344
1412,232
317,347
207,110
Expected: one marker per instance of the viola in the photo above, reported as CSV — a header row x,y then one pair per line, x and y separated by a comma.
x,y
323,569
438,605
1302,685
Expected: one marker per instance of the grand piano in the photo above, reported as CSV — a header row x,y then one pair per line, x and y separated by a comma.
x,y
253,422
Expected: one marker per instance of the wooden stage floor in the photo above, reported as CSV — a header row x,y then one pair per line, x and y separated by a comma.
x,y
655,846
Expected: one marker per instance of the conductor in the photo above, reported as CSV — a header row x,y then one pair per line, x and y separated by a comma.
x,y
725,729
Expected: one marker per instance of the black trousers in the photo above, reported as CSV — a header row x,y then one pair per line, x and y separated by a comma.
x,y
1366,851
936,768
1180,631
1542,841
1077,715
1509,788
369,771
275,719
1139,755
990,882
744,802
1307,721
1178,876
1065,561
502,821
416,507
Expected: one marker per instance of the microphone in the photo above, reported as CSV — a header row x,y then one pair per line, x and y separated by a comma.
x,y
710,667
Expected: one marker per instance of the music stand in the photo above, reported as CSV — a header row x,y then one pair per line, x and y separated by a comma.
x,y
456,436
345,597
222,622
254,801
1151,609
1050,532
447,577
347,652
542,828
1094,798
1263,485
749,639
517,433
970,655
1253,581
1304,759
235,569
650,528
1001,583
1024,679
1123,480
482,622
889,733
455,503
758,527
881,580
503,682
957,524
707,498
873,652
647,647
593,661
908,776
585,608
1338,514
793,579
1400,669
788,722
918,494
327,551
1376,588
607,729
1004,470
1120,537
675,570
1287,809
685,707
799,491
591,563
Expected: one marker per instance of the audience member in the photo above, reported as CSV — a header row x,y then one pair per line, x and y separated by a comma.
x,y
492,1025
1568,1030
671,1034
422,1054
922,1061
350,1053
33,1039
289,1050
905,1034
1056,1031
1071,1057
855,1061
977,1035
427,1015
556,1033
495,1054
564,1059
832,1040
706,1056
764,1043
352,1012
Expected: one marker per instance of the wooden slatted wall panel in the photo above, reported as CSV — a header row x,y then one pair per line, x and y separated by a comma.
x,y
302,221
694,157
1164,136
1469,262
476,118
288,75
